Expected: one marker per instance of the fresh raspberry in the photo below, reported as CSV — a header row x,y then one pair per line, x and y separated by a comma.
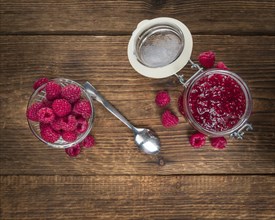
x,y
40,82
56,124
88,142
71,92
47,103
168,119
42,125
48,134
69,136
82,125
162,98
53,90
32,111
222,66
61,107
207,59
218,142
73,151
83,108
180,104
45,115
69,123
197,140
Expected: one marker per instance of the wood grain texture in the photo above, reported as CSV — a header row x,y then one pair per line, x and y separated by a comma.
x,y
121,17
137,197
87,40
103,61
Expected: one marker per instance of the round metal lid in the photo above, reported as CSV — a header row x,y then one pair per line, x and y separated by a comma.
x,y
160,47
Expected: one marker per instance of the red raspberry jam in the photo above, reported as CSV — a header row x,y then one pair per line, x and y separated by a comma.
x,y
217,102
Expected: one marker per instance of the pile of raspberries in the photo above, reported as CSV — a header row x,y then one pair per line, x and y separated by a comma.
x,y
61,114
169,119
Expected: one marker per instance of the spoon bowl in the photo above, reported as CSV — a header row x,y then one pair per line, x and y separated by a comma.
x,y
146,141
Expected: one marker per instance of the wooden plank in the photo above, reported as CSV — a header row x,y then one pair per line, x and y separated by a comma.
x,y
137,197
121,17
103,61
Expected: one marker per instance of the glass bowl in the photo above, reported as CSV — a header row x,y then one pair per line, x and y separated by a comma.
x,y
39,95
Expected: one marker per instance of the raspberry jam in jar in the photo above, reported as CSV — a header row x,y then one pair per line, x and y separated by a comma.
x,y
217,102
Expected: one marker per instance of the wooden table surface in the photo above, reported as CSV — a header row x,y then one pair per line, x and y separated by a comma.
x,y
87,40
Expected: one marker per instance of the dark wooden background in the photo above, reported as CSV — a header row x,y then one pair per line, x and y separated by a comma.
x,y
87,40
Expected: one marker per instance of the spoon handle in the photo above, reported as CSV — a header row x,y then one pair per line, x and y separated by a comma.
x,y
97,96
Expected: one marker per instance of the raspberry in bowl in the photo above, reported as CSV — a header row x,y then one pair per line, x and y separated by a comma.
x,y
217,102
60,113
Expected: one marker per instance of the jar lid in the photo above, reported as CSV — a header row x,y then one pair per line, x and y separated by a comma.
x,y
160,47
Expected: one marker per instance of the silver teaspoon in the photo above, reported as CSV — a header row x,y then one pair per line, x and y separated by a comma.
x,y
144,138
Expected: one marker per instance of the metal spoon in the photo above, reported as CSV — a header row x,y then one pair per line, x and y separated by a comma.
x,y
144,138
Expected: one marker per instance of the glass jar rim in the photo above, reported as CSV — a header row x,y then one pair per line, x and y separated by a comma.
x,y
192,120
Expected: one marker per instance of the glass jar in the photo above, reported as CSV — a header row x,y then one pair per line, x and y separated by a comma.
x,y
217,103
